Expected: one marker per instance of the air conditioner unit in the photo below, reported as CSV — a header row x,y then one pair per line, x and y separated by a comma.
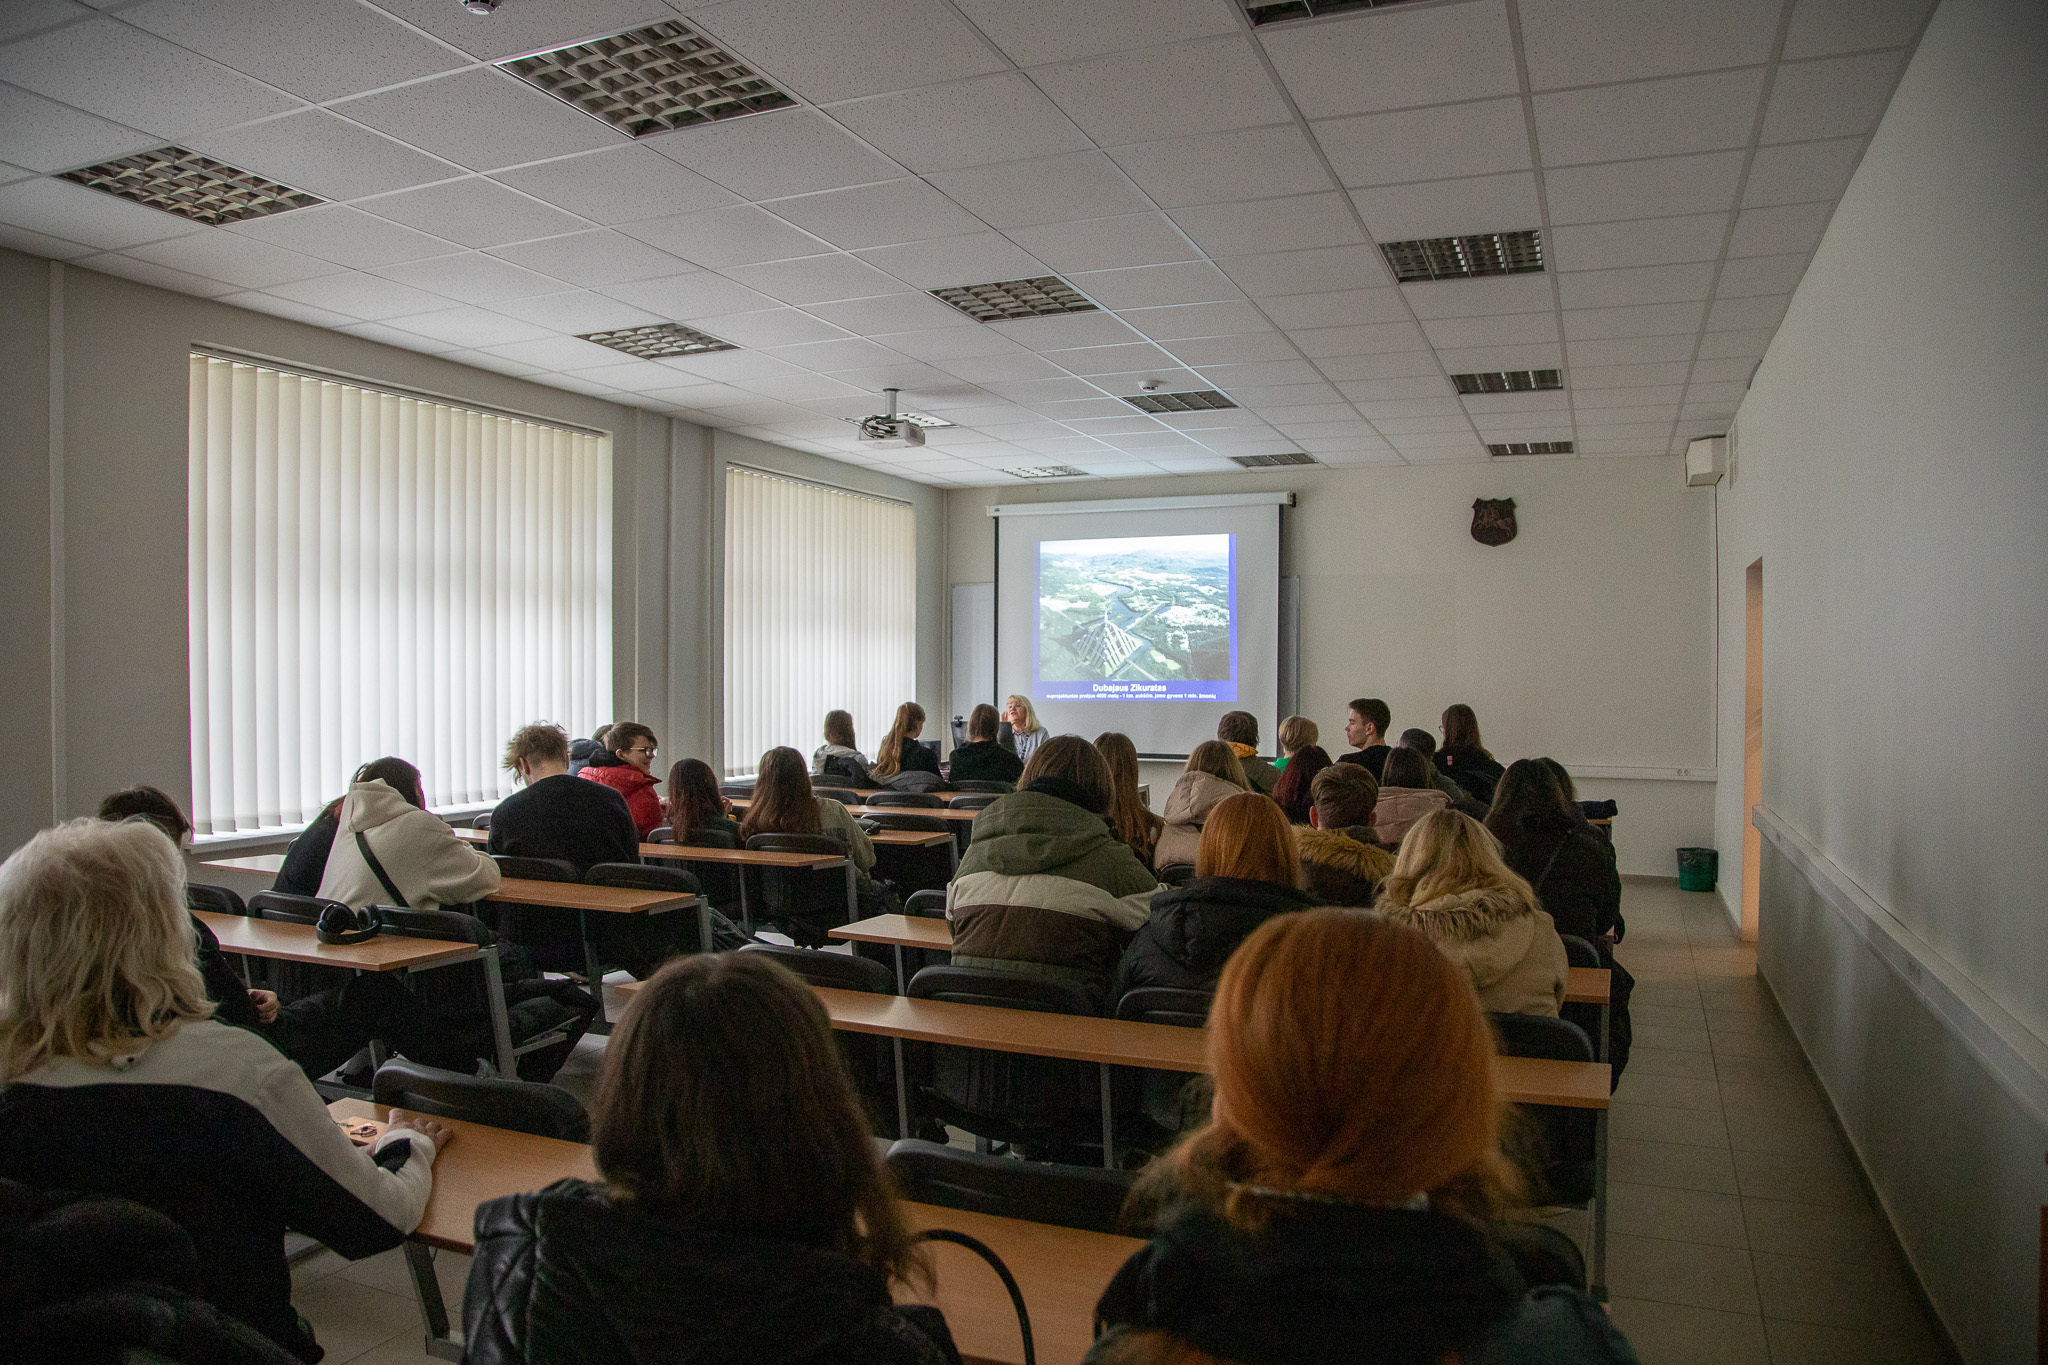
x,y
1706,460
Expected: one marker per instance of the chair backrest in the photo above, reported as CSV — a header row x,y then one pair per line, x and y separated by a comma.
x,y
983,986
1084,1197
1535,1035
915,780
451,925
983,786
1177,874
837,970
482,821
927,824
845,796
1165,1005
218,899
976,800
742,789
797,843
660,834
919,800
536,869
522,1106
643,877
926,904
1578,952
710,838
291,909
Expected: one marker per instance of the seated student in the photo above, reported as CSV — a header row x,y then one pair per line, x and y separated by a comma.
x,y
1545,840
1365,727
581,751
1449,882
1133,823
1020,732
1463,756
1296,733
1045,888
118,1081
983,758
839,758
1578,807
741,1212
626,765
784,803
420,864
305,860
1341,863
1211,776
1246,872
1406,795
1424,743
901,753
1340,1204
1240,730
694,802
1292,791
556,815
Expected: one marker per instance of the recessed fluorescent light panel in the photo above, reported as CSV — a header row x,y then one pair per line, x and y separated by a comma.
x,y
1047,471
1274,11
1044,297
1464,258
916,419
663,339
192,186
1531,448
1508,381
1200,401
651,80
1269,461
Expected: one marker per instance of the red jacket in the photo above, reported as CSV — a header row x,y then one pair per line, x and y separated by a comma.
x,y
637,787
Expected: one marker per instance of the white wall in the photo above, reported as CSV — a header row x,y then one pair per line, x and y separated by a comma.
x,y
1890,470
1588,638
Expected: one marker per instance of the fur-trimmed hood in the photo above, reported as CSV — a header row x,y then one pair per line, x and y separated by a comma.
x,y
1344,851
1509,948
1463,916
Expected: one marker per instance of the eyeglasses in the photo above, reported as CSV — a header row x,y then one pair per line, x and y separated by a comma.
x,y
643,749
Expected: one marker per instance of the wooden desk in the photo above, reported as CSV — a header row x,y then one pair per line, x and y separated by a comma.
x,y
272,863
617,900
246,936
940,812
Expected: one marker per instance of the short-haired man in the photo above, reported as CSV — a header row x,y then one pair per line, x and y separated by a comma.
x,y
983,758
625,764
1365,728
554,815
1424,743
1341,864
1240,730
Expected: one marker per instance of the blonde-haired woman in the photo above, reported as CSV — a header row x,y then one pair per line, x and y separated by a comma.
x,y
1451,883
1021,733
117,1080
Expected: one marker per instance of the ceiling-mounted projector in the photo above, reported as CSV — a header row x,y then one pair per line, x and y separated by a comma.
x,y
887,431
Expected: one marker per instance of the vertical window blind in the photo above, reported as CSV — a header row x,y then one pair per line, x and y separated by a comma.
x,y
820,614
373,573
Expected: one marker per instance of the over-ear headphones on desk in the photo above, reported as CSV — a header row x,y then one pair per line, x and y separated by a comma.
x,y
345,924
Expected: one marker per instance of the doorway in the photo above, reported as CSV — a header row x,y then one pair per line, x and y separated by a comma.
x,y
1752,744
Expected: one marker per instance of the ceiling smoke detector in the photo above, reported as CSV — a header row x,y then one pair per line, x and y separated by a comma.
x,y
480,6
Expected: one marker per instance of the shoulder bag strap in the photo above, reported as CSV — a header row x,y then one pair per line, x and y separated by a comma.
x,y
397,896
983,1250
1536,886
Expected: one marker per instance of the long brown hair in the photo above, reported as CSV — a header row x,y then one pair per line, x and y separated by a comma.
x,y
1133,825
1444,853
1074,761
395,773
783,801
1527,794
839,729
722,1104
1248,836
1405,768
693,797
1461,730
889,758
1218,759
1293,789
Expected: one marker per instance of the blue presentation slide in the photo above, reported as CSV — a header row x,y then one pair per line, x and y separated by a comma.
x,y
1137,618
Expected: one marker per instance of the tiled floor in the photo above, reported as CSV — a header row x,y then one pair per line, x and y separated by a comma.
x,y
1740,1234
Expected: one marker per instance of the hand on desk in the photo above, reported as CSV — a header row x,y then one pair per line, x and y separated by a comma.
x,y
266,1006
440,1134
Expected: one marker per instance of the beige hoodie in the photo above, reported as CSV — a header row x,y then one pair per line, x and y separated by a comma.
x,y
1510,950
419,852
1187,807
1401,807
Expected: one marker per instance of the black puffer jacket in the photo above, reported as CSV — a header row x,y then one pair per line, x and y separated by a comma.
x,y
1473,769
1195,927
1572,872
567,1277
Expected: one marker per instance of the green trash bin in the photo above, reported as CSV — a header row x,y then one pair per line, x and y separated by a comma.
x,y
1698,868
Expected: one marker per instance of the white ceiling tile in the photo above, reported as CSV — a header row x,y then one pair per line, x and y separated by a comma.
x,y
559,353
1154,286
1715,393
471,277
343,235
976,258
1822,27
592,258
770,327
835,52
1394,428
845,353
888,313
119,73
740,235
1486,137
1643,396
1246,348
1606,448
1396,58
520,28
816,279
1207,86
1646,320
1335,308
1313,412
1011,366
1210,168
1801,172
1302,272
1196,320
1393,365
1109,428
1629,351
1261,374
968,123
961,341
1106,243
1051,189
24,17
163,277
731,367
1069,330
221,255
1450,208
1478,298
1172,379
259,302
328,156
1711,412
481,118
1629,431
364,297
43,135
484,360
1301,221
1388,390
1755,275
1788,229
471,327
73,213
1067,30
1728,315
1155,440
1544,355
300,50
1089,361
1031,392
1627,376
1649,118
877,215
475,212
802,386
924,384
697,294
1515,329
577,311
1650,241
1373,339
1646,284
618,185
1659,188
1716,371
1832,97
394,336
1260,397
1590,42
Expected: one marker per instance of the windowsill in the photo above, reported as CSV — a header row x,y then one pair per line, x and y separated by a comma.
x,y
269,840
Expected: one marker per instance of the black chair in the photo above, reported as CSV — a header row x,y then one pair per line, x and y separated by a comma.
x,y
522,1106
660,834
928,904
1173,1100
915,780
739,789
914,800
1579,952
802,903
1008,1096
984,786
481,822
976,800
536,869
915,869
1085,1197
641,943
217,900
845,796
1556,1145
1165,1005
292,980
1177,874
545,1018
288,908
721,881
551,935
838,971
870,1060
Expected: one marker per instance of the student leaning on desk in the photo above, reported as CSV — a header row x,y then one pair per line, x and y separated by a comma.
x,y
118,1081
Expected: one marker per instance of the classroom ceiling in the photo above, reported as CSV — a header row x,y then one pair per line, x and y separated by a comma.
x,y
1216,189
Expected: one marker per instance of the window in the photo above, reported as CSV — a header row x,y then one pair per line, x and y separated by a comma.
x,y
820,614
373,573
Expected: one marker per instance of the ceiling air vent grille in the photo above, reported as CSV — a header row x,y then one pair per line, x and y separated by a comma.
x,y
1464,258
1199,401
194,187
1276,11
1268,461
1531,448
1047,471
1508,381
663,339
651,80
1044,297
